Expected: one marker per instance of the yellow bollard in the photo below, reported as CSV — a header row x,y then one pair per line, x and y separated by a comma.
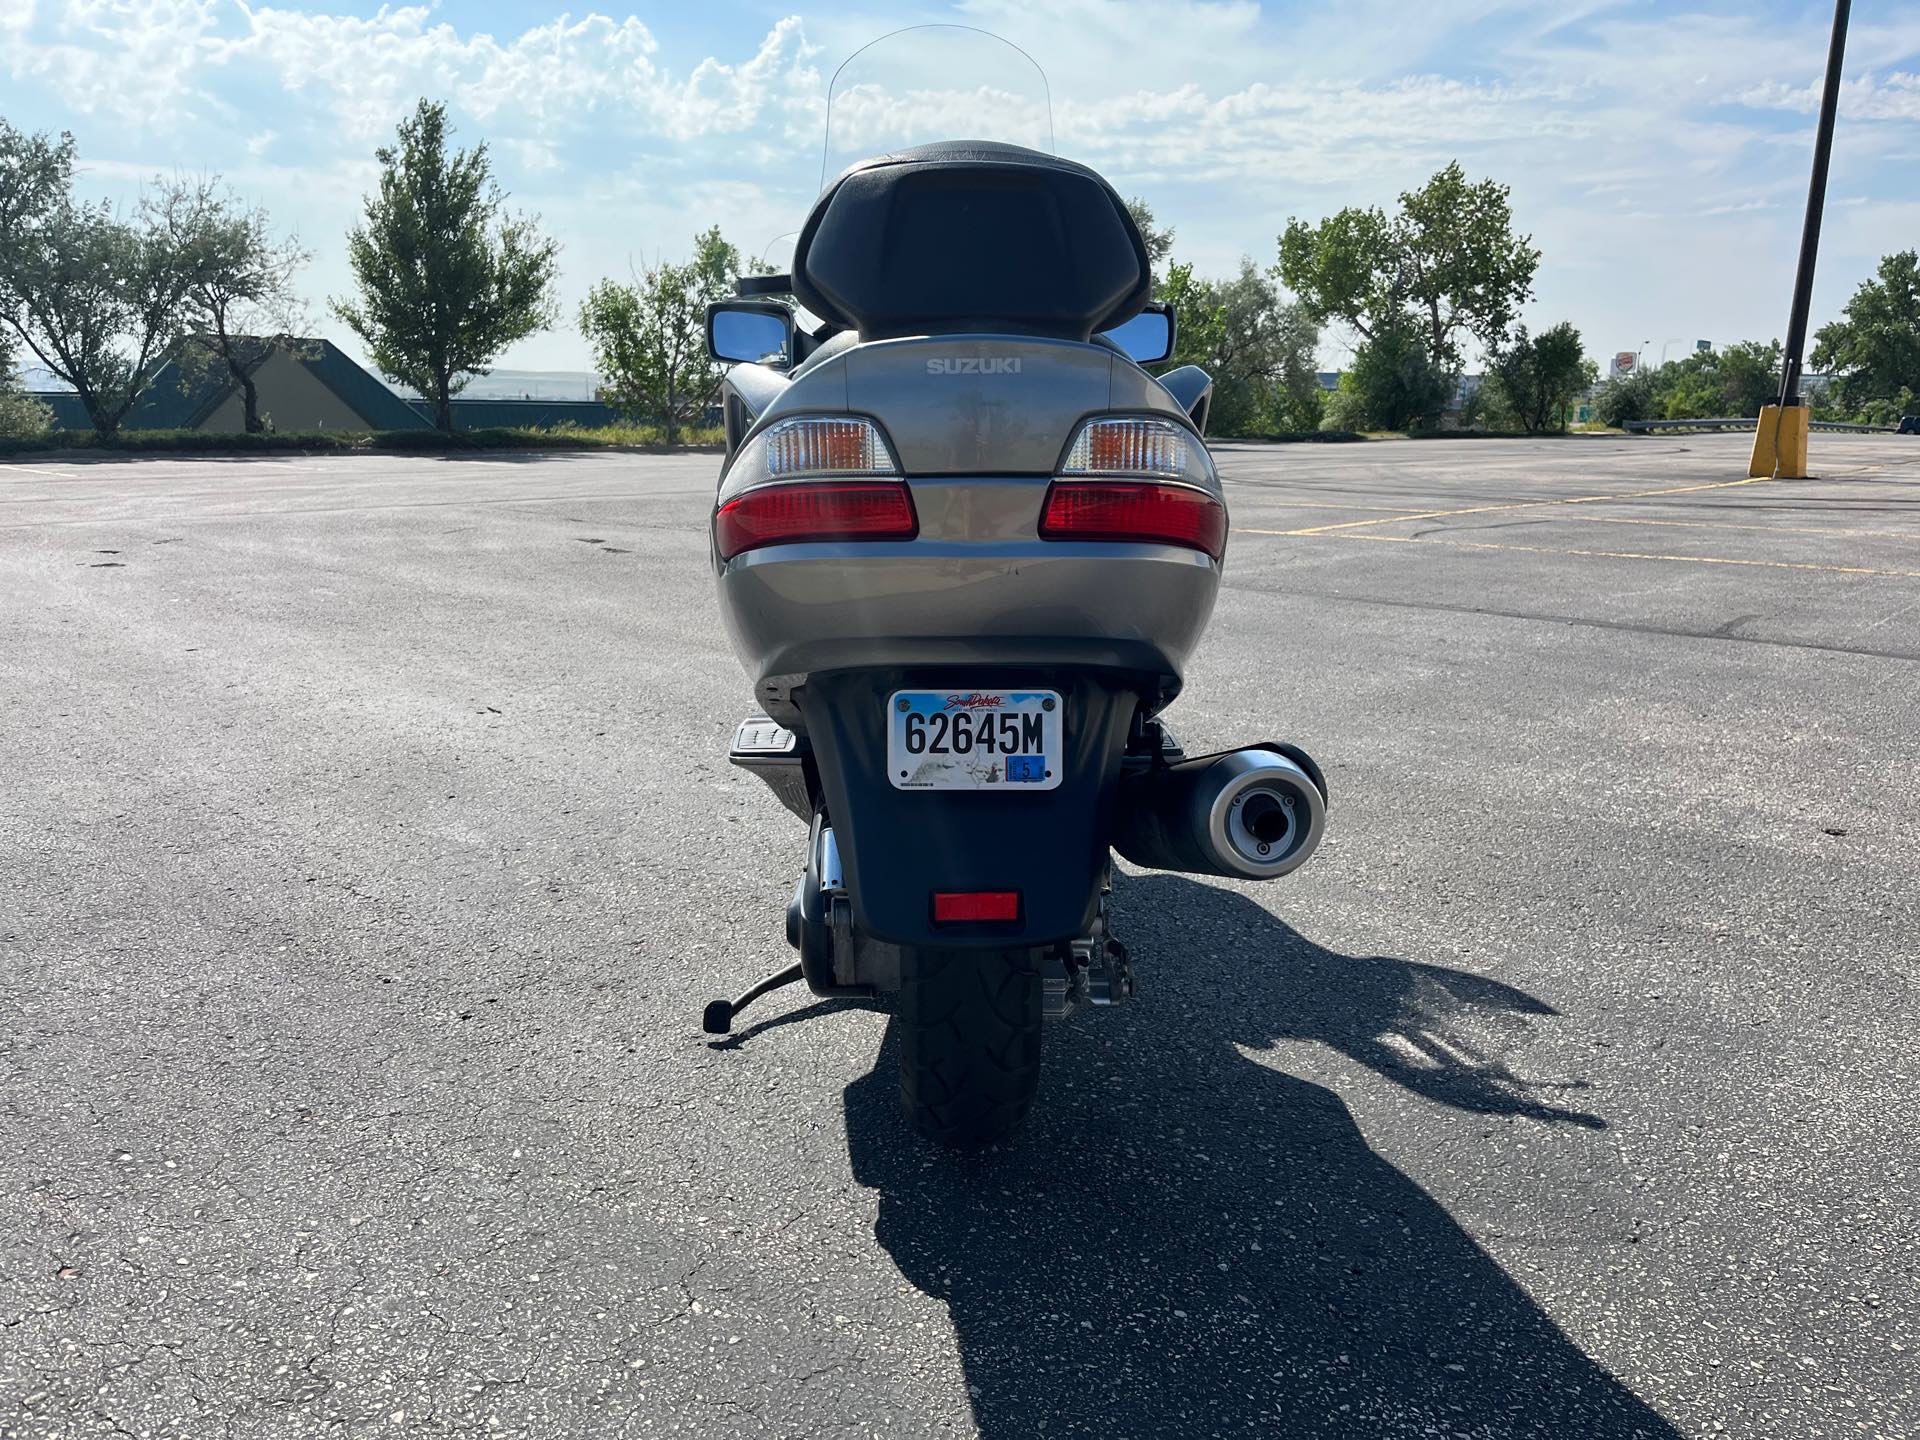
x,y
1780,443
1765,432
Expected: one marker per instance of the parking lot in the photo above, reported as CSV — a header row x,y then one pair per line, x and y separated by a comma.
x,y
368,850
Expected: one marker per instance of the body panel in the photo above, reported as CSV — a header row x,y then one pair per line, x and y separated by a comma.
x,y
978,441
793,609
1004,417
954,420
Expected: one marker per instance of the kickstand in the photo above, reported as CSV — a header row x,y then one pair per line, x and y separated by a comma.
x,y
717,1019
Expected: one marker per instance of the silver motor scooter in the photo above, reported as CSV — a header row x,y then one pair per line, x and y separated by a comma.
x,y
964,545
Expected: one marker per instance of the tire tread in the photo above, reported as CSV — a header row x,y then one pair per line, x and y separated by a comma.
x,y
969,1043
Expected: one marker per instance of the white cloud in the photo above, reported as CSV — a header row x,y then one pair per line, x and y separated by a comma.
x,y
1657,153
152,64
534,157
725,99
1894,96
367,71
1308,135
136,61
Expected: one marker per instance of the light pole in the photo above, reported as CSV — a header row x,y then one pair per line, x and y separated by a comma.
x,y
1780,438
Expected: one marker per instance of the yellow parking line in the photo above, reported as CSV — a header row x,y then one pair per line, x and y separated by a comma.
x,y
1516,505
1827,530
1638,555
1328,505
1907,535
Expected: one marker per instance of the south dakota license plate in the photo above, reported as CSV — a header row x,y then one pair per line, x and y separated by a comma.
x,y
973,739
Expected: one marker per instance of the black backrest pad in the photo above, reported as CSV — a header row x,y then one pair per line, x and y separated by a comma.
x,y
971,236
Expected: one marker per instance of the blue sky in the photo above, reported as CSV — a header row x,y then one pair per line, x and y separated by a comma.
x,y
1658,153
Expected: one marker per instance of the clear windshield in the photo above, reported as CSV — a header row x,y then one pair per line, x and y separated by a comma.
x,y
929,83
773,256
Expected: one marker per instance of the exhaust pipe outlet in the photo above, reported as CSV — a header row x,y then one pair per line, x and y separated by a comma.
x,y
1253,814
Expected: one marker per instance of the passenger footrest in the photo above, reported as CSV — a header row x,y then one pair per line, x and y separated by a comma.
x,y
778,756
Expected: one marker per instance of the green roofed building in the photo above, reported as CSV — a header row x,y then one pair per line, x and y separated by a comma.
x,y
302,385
314,385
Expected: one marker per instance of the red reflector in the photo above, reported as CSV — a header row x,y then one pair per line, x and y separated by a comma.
x,y
952,907
814,510
1134,510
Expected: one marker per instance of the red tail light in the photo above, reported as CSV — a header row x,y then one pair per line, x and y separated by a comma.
x,y
814,510
954,907
1135,510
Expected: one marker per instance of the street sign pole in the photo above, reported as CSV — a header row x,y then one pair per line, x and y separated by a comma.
x,y
1780,442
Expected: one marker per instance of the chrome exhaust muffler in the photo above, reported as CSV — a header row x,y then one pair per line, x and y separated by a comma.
x,y
1253,814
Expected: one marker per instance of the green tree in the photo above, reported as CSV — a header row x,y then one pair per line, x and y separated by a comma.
x,y
1749,376
1158,238
95,298
1198,320
1632,396
1198,317
649,338
1686,391
36,180
35,174
447,280
1258,349
1535,378
1732,383
1447,264
1725,384
21,416
1873,349
1300,402
1891,409
239,291
1484,407
1400,386
1346,408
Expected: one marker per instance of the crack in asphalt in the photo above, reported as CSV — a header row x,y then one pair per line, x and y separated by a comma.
x,y
1635,627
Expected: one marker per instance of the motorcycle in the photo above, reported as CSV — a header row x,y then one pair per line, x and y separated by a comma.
x,y
964,545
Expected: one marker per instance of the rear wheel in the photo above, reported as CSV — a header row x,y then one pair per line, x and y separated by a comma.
x,y
969,1043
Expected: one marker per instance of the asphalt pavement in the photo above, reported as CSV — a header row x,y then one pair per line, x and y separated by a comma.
x,y
368,850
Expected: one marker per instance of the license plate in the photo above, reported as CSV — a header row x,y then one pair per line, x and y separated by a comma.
x,y
973,739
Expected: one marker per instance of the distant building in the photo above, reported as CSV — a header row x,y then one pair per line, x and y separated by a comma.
x,y
301,385
314,385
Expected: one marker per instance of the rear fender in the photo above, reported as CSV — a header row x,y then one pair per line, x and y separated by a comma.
x,y
897,846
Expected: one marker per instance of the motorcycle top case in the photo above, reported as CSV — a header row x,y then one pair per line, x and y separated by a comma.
x,y
898,847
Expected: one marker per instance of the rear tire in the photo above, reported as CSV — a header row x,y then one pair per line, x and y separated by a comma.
x,y
969,1043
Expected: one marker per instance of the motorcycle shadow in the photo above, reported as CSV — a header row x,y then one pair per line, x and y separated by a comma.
x,y
1186,1242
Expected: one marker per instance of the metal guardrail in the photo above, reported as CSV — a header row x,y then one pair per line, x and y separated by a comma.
x,y
1642,427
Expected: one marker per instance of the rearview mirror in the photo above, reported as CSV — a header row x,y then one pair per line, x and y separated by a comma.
x,y
1147,337
751,332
